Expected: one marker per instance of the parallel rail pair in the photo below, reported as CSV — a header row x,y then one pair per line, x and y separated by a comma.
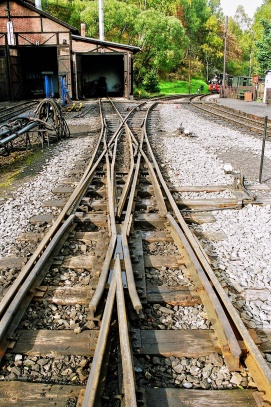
x,y
118,262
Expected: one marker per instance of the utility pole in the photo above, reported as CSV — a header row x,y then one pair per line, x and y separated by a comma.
x,y
189,72
101,20
225,52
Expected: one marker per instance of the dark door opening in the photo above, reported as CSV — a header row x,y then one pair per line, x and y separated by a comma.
x,y
101,75
35,63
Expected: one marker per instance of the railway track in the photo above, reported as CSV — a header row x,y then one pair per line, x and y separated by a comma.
x,y
99,281
255,124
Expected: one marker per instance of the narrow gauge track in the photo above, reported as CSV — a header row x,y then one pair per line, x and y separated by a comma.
x,y
120,220
254,124
13,111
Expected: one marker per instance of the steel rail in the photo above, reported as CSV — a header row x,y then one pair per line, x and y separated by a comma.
x,y
125,346
158,195
15,110
224,333
93,379
127,221
255,359
240,119
91,166
66,211
157,190
126,118
229,344
115,290
125,189
127,184
125,233
128,217
26,279
105,268
22,291
45,241
113,172
104,272
113,238
115,284
258,365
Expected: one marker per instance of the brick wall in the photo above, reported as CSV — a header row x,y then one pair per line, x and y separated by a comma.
x,y
83,46
29,21
26,25
16,10
37,39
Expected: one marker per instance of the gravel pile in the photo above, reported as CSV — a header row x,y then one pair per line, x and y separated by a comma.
x,y
166,276
27,201
56,369
242,261
202,373
51,316
177,317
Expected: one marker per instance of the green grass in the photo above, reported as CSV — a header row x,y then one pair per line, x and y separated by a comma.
x,y
16,165
171,88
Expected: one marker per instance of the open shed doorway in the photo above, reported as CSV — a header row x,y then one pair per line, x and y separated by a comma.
x,y
35,63
101,75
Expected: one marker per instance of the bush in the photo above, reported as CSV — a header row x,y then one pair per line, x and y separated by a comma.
x,y
150,82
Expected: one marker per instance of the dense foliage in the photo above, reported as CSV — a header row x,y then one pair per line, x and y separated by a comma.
x,y
179,39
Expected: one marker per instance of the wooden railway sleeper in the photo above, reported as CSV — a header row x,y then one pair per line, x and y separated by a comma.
x,y
227,340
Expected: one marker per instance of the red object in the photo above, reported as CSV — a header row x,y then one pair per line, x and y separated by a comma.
x,y
255,79
214,87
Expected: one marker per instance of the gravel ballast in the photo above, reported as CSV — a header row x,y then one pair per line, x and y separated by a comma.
x,y
28,200
242,261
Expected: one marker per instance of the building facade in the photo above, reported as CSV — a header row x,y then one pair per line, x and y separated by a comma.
x,y
34,44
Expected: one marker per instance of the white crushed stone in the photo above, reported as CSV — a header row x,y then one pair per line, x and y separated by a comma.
x,y
28,199
242,261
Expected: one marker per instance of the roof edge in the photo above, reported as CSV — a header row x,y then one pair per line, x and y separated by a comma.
x,y
29,4
132,48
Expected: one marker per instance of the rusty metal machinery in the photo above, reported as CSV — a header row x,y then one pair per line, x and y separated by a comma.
x,y
48,122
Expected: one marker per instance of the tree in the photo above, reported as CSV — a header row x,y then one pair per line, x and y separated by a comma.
x,y
243,22
260,44
263,46
119,18
163,43
212,48
178,38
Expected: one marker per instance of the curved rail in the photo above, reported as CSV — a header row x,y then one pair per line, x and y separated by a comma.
x,y
254,360
118,259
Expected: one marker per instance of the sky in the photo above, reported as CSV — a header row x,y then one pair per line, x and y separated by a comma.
x,y
229,6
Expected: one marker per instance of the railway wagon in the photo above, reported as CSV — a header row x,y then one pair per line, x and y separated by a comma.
x,y
238,86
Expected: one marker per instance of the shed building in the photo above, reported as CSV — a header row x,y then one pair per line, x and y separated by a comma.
x,y
34,44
